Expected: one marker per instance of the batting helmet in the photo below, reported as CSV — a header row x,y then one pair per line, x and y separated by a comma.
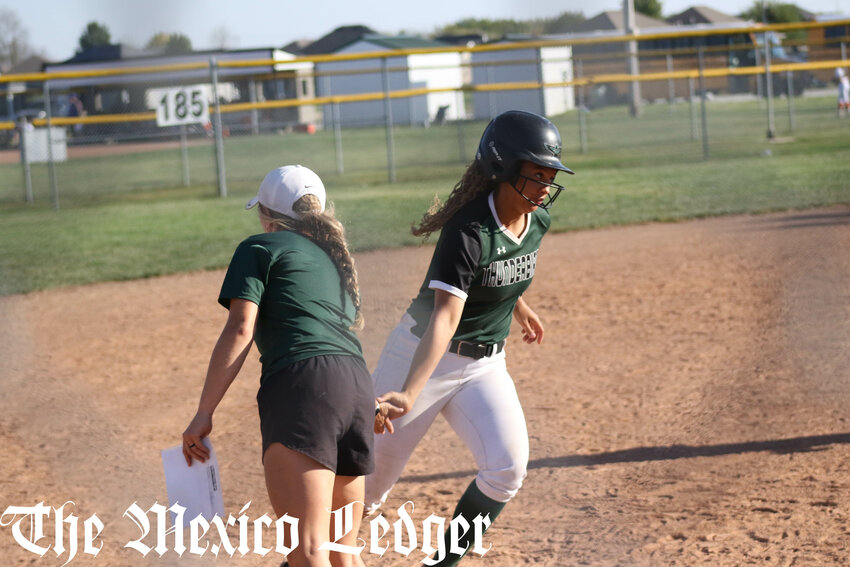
x,y
514,136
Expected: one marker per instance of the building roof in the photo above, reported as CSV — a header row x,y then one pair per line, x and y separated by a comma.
x,y
110,52
701,15
334,41
402,41
32,64
613,20
468,39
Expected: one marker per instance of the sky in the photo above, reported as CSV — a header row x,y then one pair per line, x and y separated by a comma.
x,y
54,26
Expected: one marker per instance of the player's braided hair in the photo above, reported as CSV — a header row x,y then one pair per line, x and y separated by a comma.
x,y
473,182
327,232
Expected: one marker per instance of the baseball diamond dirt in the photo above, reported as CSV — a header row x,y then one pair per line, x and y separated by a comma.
x,y
689,404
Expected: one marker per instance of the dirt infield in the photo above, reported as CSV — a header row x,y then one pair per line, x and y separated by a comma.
x,y
688,406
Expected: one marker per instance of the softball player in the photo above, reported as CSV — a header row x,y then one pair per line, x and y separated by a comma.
x,y
294,290
447,355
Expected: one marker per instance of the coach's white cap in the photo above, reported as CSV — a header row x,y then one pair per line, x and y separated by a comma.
x,y
283,186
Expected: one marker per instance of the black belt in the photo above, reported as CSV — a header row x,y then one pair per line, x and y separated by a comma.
x,y
475,350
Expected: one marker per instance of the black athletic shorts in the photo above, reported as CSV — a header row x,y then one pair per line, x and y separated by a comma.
x,y
323,407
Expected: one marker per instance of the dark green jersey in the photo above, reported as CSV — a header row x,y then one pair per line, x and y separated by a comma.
x,y
304,311
480,261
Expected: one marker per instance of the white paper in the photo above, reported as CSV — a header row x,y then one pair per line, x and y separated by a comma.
x,y
196,488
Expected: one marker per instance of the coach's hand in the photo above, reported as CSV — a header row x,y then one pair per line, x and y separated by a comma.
x,y
200,427
391,406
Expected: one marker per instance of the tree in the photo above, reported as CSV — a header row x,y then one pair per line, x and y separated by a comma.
x,y
651,8
500,28
158,41
178,43
492,28
221,38
776,13
94,34
563,23
170,43
14,43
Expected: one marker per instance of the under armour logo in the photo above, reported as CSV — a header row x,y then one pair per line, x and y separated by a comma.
x,y
501,250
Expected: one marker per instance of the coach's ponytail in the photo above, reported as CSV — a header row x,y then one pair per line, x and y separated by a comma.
x,y
327,232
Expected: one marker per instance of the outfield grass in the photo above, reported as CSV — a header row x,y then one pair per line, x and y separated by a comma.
x,y
125,217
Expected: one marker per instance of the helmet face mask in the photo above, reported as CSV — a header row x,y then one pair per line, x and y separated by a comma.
x,y
554,190
516,136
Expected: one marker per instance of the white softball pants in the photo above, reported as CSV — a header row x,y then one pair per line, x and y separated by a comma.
x,y
476,397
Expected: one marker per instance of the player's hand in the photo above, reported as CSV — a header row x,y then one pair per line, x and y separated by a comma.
x,y
529,322
200,427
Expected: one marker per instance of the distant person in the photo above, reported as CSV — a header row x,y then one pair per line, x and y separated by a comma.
x,y
843,91
75,109
293,290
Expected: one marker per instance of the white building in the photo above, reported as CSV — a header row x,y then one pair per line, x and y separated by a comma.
x,y
551,65
402,72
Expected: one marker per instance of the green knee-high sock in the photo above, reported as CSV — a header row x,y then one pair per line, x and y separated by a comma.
x,y
471,504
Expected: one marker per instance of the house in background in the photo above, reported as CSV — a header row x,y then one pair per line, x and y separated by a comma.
x,y
701,15
283,78
15,91
525,65
400,72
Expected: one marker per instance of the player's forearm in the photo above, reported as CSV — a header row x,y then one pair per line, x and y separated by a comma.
x,y
431,348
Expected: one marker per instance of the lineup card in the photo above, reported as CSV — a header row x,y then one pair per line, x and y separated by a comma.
x,y
196,488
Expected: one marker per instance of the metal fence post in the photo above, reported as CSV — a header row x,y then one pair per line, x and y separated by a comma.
x,y
184,156
582,111
388,118
219,139
255,115
25,160
540,81
51,166
340,161
789,77
702,104
461,138
768,87
691,96
671,84
491,94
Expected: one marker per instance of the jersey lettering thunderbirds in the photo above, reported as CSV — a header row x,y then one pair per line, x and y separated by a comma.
x,y
508,272
480,261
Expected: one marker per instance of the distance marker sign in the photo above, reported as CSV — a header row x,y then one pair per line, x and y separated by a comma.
x,y
182,105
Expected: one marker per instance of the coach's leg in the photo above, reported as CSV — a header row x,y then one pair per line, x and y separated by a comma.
x,y
348,490
303,488
487,415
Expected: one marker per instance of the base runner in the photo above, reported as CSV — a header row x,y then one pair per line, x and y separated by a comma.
x,y
447,355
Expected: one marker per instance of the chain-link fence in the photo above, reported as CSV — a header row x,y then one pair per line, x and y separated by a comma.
x,y
84,131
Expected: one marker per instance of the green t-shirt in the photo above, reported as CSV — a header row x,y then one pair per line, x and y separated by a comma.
x,y
480,261
304,311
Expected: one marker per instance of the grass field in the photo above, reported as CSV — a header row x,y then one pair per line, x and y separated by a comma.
x,y
127,216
